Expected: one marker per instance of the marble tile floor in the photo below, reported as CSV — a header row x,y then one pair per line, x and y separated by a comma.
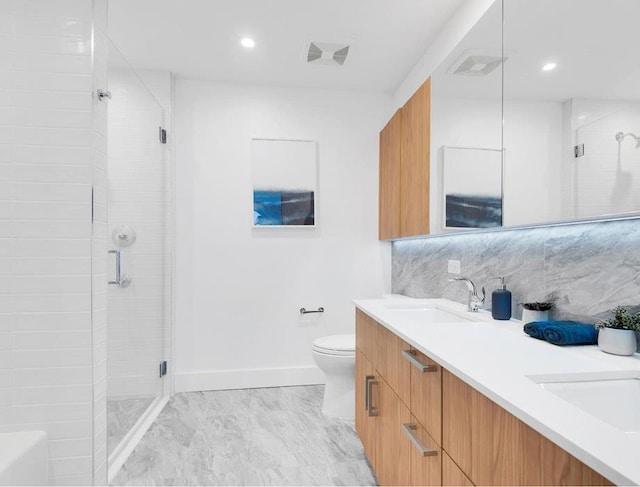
x,y
270,436
122,414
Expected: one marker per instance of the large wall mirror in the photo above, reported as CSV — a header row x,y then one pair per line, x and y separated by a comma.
x,y
571,112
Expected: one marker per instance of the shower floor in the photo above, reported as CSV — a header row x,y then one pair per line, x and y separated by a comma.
x,y
271,436
122,414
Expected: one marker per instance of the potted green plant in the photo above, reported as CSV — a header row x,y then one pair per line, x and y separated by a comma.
x,y
536,311
617,334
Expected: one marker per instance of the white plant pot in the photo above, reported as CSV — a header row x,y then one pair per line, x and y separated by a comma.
x,y
617,342
529,315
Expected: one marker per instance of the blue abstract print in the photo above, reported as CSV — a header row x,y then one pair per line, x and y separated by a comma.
x,y
283,208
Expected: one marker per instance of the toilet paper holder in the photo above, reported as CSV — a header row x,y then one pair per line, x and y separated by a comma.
x,y
304,311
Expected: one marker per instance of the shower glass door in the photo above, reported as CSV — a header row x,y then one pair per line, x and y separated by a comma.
x,y
138,302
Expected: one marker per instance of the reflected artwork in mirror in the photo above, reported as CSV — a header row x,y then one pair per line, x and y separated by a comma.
x,y
466,121
472,188
562,100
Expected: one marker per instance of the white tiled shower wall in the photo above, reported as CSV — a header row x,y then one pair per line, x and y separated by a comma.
x,y
52,373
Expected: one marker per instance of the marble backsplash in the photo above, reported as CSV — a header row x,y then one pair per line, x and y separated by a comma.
x,y
589,268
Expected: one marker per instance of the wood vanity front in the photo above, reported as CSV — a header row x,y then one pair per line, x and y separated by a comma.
x,y
422,425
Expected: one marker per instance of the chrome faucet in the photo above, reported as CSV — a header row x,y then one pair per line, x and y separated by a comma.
x,y
475,301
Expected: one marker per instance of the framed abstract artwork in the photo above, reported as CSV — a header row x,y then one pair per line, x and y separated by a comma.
x,y
285,183
472,188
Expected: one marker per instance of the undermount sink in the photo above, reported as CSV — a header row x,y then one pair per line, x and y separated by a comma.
x,y
612,396
425,313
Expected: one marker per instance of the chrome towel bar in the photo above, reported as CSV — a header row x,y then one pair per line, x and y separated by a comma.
x,y
303,311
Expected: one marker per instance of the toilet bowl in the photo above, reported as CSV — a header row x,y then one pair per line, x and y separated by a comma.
x,y
335,355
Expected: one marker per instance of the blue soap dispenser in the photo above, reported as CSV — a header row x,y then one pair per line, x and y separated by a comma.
x,y
501,302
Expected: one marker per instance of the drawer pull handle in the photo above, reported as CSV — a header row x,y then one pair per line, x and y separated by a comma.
x,y
370,382
410,355
409,428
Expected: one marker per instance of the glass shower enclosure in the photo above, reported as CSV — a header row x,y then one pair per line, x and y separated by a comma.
x,y
139,256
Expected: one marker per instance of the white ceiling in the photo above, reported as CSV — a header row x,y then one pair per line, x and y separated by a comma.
x,y
200,39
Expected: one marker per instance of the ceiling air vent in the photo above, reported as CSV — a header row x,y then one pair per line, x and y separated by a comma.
x,y
327,53
475,62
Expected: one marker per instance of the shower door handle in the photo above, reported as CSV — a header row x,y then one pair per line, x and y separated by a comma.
x,y
122,280
118,275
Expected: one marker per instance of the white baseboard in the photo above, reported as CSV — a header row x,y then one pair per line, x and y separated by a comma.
x,y
247,379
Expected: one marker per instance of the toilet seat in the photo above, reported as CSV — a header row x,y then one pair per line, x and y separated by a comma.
x,y
339,345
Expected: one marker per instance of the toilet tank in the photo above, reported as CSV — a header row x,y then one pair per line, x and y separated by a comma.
x,y
24,458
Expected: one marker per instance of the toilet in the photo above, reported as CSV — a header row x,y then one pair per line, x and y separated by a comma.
x,y
335,355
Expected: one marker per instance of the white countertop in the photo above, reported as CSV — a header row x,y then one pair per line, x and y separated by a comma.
x,y
496,358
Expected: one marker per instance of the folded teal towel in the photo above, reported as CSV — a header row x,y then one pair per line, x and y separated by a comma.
x,y
536,328
563,332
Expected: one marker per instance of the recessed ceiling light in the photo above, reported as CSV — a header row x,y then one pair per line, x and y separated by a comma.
x,y
549,67
248,42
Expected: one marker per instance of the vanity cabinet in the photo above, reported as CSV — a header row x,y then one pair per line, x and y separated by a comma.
x,y
421,425
405,169
493,447
400,449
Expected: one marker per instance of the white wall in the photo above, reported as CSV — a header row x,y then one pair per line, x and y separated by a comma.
x,y
239,289
52,134
532,138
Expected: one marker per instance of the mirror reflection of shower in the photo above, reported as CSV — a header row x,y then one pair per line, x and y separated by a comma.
x,y
623,179
620,136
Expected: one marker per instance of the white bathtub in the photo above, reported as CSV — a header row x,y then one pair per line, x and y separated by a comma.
x,y
24,458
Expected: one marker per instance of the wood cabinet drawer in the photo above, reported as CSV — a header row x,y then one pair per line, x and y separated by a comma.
x,y
451,473
366,331
392,447
391,364
425,455
426,392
